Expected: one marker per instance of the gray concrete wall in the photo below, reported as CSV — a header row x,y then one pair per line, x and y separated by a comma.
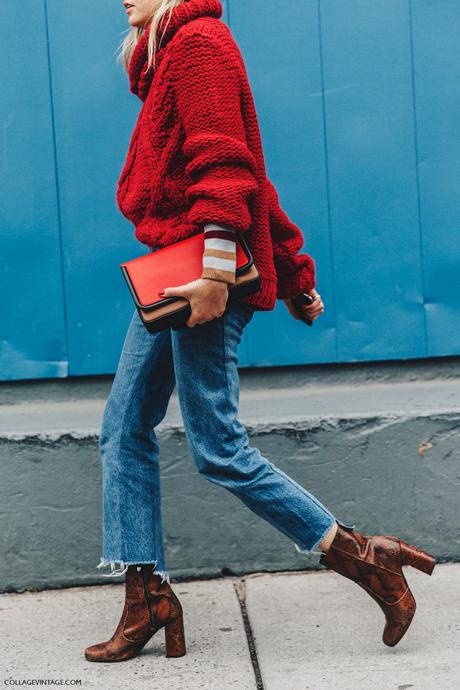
x,y
380,449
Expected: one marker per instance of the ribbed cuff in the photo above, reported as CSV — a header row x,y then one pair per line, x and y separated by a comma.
x,y
219,256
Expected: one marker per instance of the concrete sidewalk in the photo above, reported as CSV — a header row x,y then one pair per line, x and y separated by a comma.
x,y
281,631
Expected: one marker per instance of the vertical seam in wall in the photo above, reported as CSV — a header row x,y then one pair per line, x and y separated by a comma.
x,y
327,176
417,174
56,178
227,8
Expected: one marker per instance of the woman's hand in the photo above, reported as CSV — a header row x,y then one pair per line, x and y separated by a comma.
x,y
207,297
312,310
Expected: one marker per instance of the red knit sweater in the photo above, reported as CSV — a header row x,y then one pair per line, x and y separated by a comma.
x,y
195,154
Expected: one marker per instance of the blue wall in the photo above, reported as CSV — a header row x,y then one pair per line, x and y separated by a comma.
x,y
358,103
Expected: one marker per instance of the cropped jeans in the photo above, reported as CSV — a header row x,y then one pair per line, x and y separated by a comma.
x,y
202,361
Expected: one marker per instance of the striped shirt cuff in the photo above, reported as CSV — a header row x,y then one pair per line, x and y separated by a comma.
x,y
219,256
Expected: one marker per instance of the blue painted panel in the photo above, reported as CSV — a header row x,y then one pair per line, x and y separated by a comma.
x,y
436,33
370,180
32,338
94,115
373,191
283,65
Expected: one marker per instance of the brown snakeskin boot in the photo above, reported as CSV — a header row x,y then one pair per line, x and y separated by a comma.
x,y
149,605
375,564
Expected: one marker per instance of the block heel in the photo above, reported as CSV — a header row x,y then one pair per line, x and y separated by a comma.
x,y
417,558
175,637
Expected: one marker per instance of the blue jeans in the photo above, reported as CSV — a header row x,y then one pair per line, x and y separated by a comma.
x,y
203,362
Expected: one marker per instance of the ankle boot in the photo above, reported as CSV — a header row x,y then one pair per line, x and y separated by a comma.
x,y
149,605
375,564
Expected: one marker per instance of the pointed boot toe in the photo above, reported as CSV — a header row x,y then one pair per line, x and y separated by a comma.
x,y
97,652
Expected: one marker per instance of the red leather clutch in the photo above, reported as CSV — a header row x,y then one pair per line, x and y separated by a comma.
x,y
177,264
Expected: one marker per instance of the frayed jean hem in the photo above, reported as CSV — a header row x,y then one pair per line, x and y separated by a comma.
x,y
165,577
313,548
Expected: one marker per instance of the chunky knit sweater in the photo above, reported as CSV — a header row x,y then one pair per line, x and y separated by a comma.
x,y
195,156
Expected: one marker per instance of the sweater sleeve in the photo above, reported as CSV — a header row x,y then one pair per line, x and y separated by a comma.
x,y
206,83
295,272
219,257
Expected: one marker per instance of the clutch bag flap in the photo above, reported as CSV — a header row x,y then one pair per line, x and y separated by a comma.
x,y
175,264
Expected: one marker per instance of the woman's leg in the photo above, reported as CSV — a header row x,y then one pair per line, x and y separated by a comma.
x,y
205,361
129,452
325,545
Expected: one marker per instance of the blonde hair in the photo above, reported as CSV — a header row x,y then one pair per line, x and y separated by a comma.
x,y
129,43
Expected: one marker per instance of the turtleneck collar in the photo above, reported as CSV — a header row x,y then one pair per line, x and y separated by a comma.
x,y
139,78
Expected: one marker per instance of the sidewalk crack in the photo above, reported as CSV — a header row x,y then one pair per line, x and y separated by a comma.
x,y
239,586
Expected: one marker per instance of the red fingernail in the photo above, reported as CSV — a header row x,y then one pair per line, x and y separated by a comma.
x,y
162,293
